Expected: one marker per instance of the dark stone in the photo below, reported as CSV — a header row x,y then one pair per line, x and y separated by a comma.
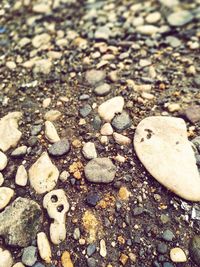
x,y
121,121
162,248
168,235
91,262
92,199
59,148
32,141
91,249
168,264
192,113
138,211
194,249
36,129
96,123
85,110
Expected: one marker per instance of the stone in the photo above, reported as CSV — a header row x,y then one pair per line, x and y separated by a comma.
x,y
42,66
194,249
29,256
110,108
64,176
43,174
153,17
59,148
6,194
6,258
9,133
41,39
77,233
44,247
103,250
180,18
3,161
177,255
89,150
173,107
93,77
168,235
91,262
192,113
102,89
21,177
66,259
36,129
147,29
92,199
52,115
42,8
162,248
106,129
50,132
85,110
100,170
57,205
121,121
19,152
102,33
20,222
121,139
96,123
91,249
173,41
1,179
18,264
162,146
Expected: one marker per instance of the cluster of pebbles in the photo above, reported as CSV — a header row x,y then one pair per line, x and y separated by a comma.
x,y
99,133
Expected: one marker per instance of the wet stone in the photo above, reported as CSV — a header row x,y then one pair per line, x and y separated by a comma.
x,y
36,129
59,148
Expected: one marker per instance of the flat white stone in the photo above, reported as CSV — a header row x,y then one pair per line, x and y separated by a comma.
x,y
3,161
6,194
43,174
109,108
162,146
21,176
89,150
177,255
44,247
106,129
9,133
50,132
6,258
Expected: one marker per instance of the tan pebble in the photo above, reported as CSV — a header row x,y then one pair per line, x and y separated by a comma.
x,y
52,115
132,257
120,158
123,259
66,259
18,264
44,247
177,255
46,102
123,193
76,143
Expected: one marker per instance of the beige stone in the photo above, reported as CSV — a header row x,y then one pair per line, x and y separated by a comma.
x,y
162,146
6,259
44,247
6,194
50,132
177,255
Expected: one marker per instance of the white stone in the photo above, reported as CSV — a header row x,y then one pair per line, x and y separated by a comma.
x,y
121,139
177,255
57,206
46,102
44,247
153,17
50,132
106,129
41,8
148,29
89,150
162,146
108,109
41,39
104,140
43,174
6,194
1,179
3,161
172,107
21,176
103,250
19,264
6,258
42,66
9,133
52,115
11,65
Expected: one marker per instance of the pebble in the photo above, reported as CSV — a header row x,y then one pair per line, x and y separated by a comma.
x,y
77,233
46,102
66,259
94,77
48,180
44,247
6,258
168,235
42,66
106,129
108,109
121,139
89,150
92,199
173,107
59,148
3,161
103,250
153,17
123,259
168,264
91,249
121,121
162,248
91,262
100,170
38,264
17,220
85,110
102,33
177,255
19,152
1,179
6,194
41,39
173,41
50,132
157,134
11,65
147,29
52,115
36,129
192,113
96,123
102,89
18,264
29,256
64,176
21,177
9,133
180,18
194,249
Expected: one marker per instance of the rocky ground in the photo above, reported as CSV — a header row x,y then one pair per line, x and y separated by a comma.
x,y
99,103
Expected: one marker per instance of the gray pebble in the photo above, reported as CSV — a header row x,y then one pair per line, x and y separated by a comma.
x,y
96,123
36,129
168,235
121,121
29,256
91,249
162,248
59,148
91,262
102,89
85,110
95,76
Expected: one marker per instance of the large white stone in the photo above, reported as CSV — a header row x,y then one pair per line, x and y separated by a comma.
x,y
6,259
9,133
162,146
6,194
3,161
108,109
43,174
